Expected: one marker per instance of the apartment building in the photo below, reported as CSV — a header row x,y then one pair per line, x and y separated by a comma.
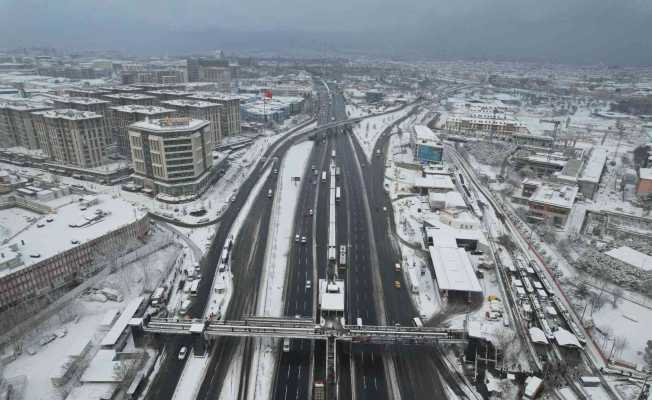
x,y
200,109
125,98
125,115
230,112
17,123
172,156
552,204
73,137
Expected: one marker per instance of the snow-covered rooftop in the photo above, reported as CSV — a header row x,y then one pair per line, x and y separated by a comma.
x,y
120,325
453,269
39,243
594,166
537,335
632,257
190,103
559,196
69,114
329,299
130,96
566,339
81,100
438,182
140,109
645,173
170,124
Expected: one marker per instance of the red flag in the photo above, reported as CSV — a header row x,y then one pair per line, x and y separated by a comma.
x,y
267,94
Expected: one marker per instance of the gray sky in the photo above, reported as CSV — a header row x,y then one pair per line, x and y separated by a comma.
x,y
571,31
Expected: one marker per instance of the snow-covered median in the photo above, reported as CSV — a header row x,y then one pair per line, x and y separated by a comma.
x,y
368,131
278,247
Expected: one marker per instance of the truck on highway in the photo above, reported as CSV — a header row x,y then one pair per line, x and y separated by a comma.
x,y
194,287
333,153
342,256
338,193
323,176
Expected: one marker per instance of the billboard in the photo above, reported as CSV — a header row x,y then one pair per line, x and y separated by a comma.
x,y
426,153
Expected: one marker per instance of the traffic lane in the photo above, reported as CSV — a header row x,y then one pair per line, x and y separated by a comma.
x,y
166,380
294,371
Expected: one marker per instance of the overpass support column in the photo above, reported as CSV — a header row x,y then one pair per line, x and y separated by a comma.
x,y
331,367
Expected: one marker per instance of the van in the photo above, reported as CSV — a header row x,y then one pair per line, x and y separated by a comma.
x,y
286,345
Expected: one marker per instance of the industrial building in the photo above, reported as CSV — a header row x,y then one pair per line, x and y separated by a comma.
x,y
171,156
551,204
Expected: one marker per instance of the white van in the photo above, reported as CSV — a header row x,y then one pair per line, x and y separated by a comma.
x,y
286,345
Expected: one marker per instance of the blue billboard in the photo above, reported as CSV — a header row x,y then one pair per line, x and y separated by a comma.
x,y
431,154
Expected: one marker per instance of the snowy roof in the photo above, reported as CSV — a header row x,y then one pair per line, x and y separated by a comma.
x,y
425,133
453,269
645,173
538,336
444,235
594,166
121,324
170,124
140,109
532,385
214,96
190,103
102,368
81,100
632,257
130,96
56,236
559,196
69,114
330,301
566,339
452,199
434,182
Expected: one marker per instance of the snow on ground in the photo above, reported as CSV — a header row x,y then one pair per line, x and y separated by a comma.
x,y
276,256
368,131
191,376
82,319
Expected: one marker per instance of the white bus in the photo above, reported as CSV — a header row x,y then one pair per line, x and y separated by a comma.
x,y
157,297
417,322
194,287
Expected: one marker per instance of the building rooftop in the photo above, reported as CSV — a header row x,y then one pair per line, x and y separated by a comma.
x,y
130,96
140,109
594,166
190,103
170,124
631,257
440,182
645,173
69,114
81,100
214,96
453,269
39,243
425,134
559,196
170,92
23,105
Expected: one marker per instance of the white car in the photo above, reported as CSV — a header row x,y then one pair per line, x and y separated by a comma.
x,y
183,353
303,239
308,284
297,238
310,212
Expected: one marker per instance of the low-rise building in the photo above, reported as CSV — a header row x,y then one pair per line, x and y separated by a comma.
x,y
49,257
644,186
125,115
427,146
73,137
200,109
589,180
551,204
172,156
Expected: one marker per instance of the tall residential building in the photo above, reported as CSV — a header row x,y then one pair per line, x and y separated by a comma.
x,y
172,156
230,113
125,115
169,94
86,92
123,99
195,65
17,123
84,104
73,137
200,109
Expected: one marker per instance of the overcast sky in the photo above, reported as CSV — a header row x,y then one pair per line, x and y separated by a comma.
x,y
569,31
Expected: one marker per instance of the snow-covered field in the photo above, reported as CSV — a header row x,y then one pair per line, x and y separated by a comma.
x,y
276,256
368,131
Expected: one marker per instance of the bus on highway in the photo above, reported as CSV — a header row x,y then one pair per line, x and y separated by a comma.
x,y
194,287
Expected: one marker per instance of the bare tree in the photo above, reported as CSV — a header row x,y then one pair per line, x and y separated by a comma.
x,y
617,293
